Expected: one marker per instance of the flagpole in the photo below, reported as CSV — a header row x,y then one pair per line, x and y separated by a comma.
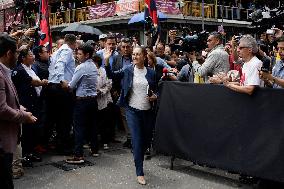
x,y
202,15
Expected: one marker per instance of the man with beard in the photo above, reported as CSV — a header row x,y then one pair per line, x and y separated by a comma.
x,y
11,113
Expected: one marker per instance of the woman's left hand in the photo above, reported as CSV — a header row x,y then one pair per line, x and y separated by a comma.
x,y
152,98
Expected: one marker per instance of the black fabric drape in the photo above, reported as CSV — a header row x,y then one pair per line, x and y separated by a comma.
x,y
213,125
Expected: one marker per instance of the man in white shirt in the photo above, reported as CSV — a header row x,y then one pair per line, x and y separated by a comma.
x,y
250,71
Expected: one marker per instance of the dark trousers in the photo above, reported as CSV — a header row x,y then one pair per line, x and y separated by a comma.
x,y
105,123
6,178
85,118
140,123
59,110
30,138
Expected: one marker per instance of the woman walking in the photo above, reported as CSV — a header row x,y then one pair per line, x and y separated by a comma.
x,y
137,94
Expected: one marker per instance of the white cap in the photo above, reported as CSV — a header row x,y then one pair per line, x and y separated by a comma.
x,y
102,36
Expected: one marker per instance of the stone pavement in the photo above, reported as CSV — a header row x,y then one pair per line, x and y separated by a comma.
x,y
114,169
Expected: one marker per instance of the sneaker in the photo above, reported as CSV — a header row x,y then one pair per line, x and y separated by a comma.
x,y
106,147
75,160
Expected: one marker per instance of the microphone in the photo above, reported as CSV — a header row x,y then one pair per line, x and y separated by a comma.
x,y
165,70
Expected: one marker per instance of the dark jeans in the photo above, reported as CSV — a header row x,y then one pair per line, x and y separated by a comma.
x,y
30,138
85,118
140,123
59,109
105,122
6,178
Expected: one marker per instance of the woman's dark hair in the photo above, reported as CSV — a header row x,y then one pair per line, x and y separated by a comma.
x,y
153,57
37,51
87,49
23,54
97,59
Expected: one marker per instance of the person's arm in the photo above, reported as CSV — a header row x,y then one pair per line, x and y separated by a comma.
x,y
10,114
171,63
37,82
60,65
206,67
271,79
78,74
162,62
241,89
108,85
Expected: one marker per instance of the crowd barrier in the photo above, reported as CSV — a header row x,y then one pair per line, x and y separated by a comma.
x,y
215,126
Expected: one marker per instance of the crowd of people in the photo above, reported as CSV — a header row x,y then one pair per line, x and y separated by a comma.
x,y
76,96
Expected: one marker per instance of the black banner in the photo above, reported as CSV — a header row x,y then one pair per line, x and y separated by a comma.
x,y
212,125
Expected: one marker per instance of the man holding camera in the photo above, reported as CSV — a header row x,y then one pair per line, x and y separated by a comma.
x,y
276,79
217,59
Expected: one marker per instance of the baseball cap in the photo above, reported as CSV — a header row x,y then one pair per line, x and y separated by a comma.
x,y
102,36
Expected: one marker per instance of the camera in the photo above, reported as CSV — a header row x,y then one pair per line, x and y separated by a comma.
x,y
270,32
195,42
237,38
39,34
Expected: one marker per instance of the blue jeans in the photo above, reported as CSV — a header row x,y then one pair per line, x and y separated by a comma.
x,y
85,117
140,123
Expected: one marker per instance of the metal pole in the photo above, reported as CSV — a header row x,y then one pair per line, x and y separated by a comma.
x,y
203,15
222,12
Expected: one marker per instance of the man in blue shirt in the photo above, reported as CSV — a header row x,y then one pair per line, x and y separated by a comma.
x,y
60,102
84,82
276,79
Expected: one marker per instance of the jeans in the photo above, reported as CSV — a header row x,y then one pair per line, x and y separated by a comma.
x,y
6,178
140,123
85,117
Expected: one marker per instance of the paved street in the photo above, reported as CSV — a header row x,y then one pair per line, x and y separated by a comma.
x,y
115,169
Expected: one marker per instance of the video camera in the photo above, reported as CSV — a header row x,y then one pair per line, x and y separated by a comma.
x,y
39,34
195,42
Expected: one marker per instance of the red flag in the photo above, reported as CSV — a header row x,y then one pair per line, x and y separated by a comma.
x,y
151,8
44,24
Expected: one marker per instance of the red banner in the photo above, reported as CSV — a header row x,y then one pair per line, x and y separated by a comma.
x,y
102,10
168,6
44,23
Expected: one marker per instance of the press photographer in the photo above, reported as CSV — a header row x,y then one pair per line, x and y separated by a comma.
x,y
217,59
276,79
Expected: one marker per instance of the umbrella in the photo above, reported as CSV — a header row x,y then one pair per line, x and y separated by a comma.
x,y
141,18
81,28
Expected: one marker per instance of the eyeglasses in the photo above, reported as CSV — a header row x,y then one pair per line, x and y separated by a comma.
x,y
242,47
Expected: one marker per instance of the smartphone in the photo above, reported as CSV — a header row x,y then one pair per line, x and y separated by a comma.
x,y
270,32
